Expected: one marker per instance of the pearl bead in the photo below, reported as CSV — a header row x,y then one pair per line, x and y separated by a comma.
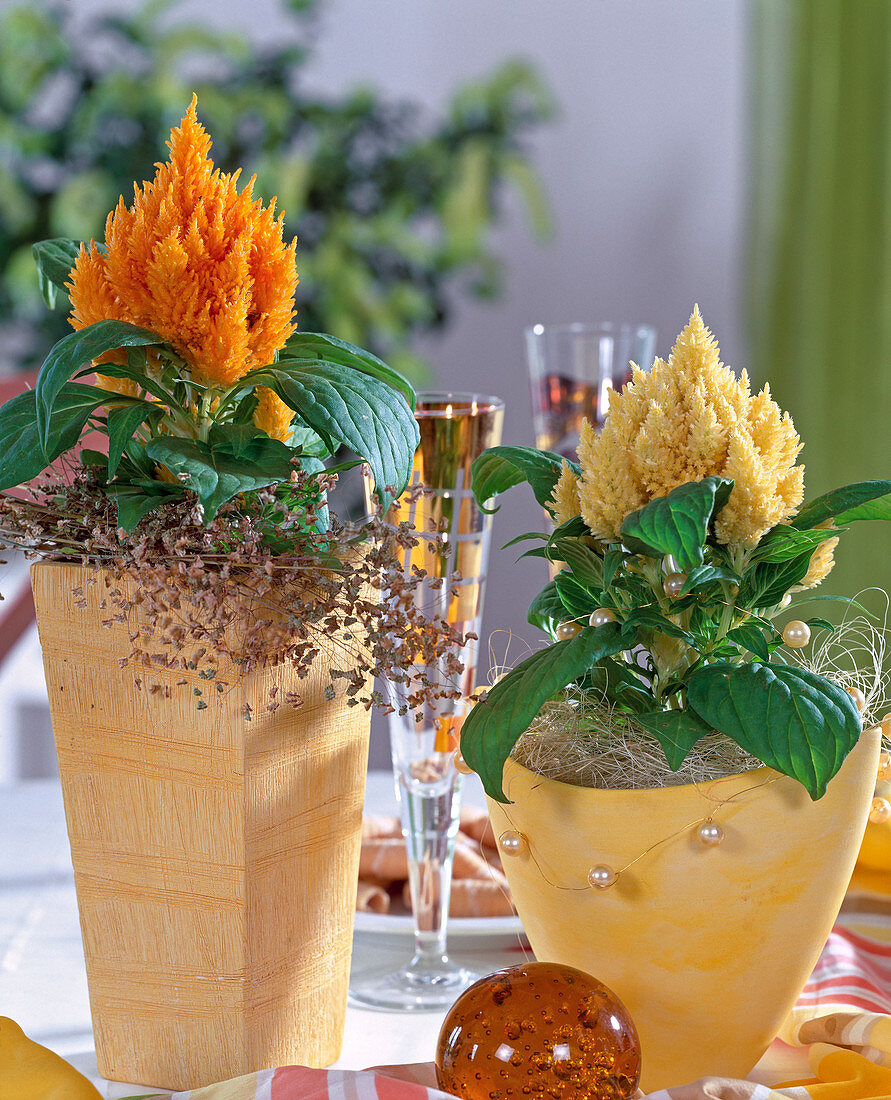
x,y
461,764
601,617
858,697
602,876
879,810
673,584
885,765
710,834
796,634
512,843
567,630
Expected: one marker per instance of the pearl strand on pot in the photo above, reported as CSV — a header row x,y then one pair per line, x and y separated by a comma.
x,y
879,811
601,876
710,834
512,844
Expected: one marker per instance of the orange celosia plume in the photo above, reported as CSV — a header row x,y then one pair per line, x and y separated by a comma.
x,y
199,263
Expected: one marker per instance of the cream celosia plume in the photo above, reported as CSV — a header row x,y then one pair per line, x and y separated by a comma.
x,y
822,561
565,498
688,418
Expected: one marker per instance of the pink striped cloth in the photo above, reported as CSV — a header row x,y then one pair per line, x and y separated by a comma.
x,y
853,970
300,1083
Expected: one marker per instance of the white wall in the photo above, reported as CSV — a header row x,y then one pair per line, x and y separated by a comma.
x,y
26,748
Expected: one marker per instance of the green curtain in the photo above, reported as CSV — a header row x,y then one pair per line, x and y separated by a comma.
x,y
820,246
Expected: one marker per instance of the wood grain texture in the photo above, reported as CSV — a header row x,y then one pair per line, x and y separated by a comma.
x,y
215,858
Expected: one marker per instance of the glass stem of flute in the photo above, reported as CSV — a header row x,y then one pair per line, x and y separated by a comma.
x,y
430,823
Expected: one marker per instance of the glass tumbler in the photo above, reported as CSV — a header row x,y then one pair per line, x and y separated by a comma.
x,y
572,371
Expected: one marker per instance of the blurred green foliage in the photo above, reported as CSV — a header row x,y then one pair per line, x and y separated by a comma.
x,y
393,210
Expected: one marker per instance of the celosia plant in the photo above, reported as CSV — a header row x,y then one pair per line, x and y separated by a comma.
x,y
681,536
211,493
187,311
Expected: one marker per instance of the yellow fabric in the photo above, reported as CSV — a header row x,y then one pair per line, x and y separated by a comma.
x,y
850,1051
29,1071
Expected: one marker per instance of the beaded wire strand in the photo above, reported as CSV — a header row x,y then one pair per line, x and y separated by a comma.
x,y
618,872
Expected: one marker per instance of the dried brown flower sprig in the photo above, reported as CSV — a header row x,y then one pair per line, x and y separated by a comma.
x,y
262,551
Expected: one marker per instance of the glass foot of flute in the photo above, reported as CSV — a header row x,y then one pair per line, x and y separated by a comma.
x,y
429,791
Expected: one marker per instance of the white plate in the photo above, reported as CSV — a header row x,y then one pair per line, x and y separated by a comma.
x,y
389,924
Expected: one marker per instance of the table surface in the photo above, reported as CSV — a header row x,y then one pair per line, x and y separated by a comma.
x,y
43,984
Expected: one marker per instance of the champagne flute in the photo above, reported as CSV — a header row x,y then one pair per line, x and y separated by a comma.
x,y
452,552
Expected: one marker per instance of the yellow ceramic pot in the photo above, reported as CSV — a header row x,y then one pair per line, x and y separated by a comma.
x,y
708,945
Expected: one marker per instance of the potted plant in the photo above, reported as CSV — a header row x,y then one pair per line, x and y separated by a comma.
x,y
209,630
660,774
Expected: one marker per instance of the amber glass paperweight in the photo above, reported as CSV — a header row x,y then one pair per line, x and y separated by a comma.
x,y
538,1030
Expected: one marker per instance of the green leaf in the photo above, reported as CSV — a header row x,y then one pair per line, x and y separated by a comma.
x,y
305,441
653,619
846,600
577,599
72,353
703,626
820,624
677,524
136,501
782,543
137,360
526,537
89,457
499,468
54,259
572,529
22,455
767,583
704,575
342,406
844,504
535,552
795,721
546,609
135,374
247,406
321,346
584,563
494,724
750,637
677,731
620,683
612,562
122,423
220,472
880,508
